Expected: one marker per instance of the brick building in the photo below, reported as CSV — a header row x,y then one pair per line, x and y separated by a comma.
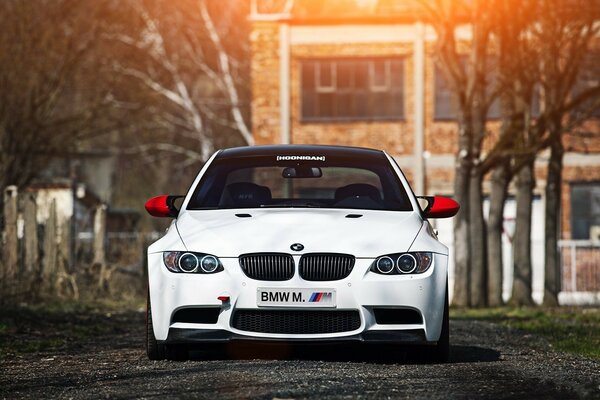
x,y
349,72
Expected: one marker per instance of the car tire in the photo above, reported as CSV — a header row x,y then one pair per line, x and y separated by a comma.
x,y
440,352
154,350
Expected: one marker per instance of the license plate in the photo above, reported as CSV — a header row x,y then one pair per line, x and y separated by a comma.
x,y
295,297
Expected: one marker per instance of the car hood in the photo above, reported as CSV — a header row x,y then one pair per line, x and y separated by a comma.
x,y
225,234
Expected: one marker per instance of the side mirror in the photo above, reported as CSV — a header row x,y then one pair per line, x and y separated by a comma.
x,y
163,206
440,207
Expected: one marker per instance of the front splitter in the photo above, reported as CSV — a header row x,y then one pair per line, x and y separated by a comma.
x,y
199,336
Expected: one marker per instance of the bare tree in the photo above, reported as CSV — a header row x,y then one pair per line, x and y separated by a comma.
x,y
514,153
543,52
45,109
520,44
183,59
516,76
565,35
469,82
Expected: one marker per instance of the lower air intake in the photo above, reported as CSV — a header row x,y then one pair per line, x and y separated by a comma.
x,y
397,316
296,321
197,315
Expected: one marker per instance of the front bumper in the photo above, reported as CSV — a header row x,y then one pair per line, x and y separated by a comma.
x,y
362,290
191,336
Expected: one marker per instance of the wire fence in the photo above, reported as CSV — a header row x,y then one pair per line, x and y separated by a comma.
x,y
49,251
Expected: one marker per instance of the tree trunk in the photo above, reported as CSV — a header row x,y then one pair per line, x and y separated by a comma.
x,y
477,240
499,189
521,291
552,218
461,224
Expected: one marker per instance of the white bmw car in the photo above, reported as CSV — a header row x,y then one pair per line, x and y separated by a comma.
x,y
298,243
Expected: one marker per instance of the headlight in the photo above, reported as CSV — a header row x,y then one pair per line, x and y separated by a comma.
x,y
189,262
209,264
384,265
402,263
406,263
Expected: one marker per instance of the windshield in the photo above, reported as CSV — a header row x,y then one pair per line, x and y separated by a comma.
x,y
264,182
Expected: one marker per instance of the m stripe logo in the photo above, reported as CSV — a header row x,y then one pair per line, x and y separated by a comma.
x,y
316,297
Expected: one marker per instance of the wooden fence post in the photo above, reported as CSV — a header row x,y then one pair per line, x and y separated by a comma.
x,y
65,245
99,244
30,235
31,269
11,243
50,269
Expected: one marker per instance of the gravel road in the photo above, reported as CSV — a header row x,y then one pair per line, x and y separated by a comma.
x,y
488,361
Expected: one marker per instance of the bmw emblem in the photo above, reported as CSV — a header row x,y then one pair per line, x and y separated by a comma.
x,y
297,247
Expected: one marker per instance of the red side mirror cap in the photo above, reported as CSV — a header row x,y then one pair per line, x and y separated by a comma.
x,y
162,206
440,207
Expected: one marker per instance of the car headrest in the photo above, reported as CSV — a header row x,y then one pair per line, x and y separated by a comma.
x,y
357,189
245,194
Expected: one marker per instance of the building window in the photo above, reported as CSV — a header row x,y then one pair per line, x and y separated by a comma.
x,y
588,78
352,89
446,102
585,211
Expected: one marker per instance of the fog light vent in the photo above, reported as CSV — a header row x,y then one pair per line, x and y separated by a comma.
x,y
197,315
397,316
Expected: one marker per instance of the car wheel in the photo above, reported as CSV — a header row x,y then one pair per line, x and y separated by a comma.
x,y
155,350
440,353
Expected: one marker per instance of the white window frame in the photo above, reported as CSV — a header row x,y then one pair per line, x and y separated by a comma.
x,y
332,70
387,86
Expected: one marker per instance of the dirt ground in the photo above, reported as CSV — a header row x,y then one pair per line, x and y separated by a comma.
x,y
85,355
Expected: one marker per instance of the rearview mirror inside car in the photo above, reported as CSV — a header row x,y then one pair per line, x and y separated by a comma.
x,y
302,172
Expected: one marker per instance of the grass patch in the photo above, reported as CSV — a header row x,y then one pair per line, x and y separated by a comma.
x,y
570,329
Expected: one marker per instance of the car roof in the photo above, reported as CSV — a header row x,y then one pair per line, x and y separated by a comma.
x,y
300,149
